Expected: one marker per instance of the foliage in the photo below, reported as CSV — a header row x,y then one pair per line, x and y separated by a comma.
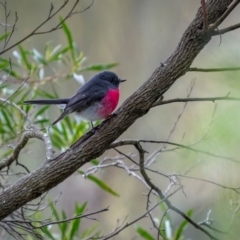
x,y
37,69
165,226
67,229
65,63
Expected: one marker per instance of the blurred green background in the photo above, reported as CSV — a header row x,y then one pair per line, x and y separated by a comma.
x,y
139,35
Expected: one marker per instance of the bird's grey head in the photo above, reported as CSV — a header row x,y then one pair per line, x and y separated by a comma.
x,y
110,78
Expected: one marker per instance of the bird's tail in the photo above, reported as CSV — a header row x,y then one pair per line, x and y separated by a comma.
x,y
48,101
62,101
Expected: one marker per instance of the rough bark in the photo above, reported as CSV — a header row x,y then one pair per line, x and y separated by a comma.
x,y
91,146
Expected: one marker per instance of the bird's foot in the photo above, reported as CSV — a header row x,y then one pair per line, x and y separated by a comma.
x,y
111,115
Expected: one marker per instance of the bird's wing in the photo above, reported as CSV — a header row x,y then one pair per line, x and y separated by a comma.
x,y
80,101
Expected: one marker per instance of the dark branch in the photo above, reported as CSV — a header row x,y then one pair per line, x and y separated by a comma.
x,y
161,195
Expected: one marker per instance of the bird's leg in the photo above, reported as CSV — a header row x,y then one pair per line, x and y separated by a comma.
x,y
93,128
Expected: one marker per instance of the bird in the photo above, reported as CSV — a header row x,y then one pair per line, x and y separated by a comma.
x,y
95,100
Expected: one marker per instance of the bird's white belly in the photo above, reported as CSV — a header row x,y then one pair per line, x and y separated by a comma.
x,y
90,113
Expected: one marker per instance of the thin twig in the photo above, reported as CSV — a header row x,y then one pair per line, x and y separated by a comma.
x,y
140,217
226,30
213,69
134,142
161,195
30,222
205,16
13,29
235,189
50,16
15,92
5,101
210,99
152,157
215,25
34,133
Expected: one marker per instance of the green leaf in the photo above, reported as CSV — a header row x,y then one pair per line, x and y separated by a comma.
x,y
16,95
24,57
182,226
89,231
58,55
6,115
164,208
10,72
69,38
69,124
45,94
94,162
101,184
76,223
7,153
143,233
41,111
167,217
57,138
48,233
38,57
54,211
79,129
63,226
65,132
23,97
99,67
42,121
4,36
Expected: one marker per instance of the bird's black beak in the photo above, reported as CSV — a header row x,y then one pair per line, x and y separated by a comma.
x,y
122,80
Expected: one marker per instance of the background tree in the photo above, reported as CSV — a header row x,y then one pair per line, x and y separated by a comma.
x,y
33,69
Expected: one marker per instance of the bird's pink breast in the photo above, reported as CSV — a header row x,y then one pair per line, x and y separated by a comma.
x,y
109,103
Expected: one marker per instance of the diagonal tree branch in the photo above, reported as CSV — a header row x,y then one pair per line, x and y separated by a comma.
x,y
92,145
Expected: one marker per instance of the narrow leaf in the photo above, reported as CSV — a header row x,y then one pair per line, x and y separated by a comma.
x,y
6,115
101,184
89,231
63,226
24,57
69,38
76,223
182,226
99,67
144,233
48,233
54,211
41,111
4,36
